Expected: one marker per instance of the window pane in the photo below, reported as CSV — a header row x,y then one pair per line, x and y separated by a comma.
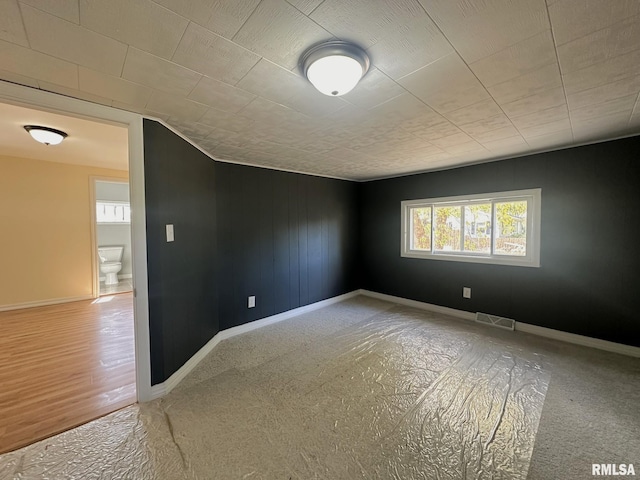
x,y
447,228
421,228
113,212
511,225
477,228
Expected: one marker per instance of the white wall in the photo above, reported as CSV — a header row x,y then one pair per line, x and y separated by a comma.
x,y
115,234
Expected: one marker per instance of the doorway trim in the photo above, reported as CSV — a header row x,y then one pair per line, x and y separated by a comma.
x,y
29,97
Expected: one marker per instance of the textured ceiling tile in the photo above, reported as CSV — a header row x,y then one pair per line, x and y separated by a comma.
x,y
445,85
465,147
634,122
433,131
452,140
622,105
535,103
24,61
475,112
487,125
549,115
279,85
545,128
405,107
190,129
365,22
536,81
220,95
67,9
19,79
571,19
75,93
375,88
402,51
146,69
224,17
11,28
66,40
278,31
596,128
226,121
562,137
116,88
479,28
505,143
175,106
621,38
491,135
609,71
305,6
514,61
610,91
140,23
213,55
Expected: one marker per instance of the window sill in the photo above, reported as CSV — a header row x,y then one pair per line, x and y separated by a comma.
x,y
510,261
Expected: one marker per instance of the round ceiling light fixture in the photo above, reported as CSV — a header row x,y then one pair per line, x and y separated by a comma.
x,y
335,67
46,135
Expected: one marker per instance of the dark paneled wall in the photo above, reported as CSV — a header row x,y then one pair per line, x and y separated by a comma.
x,y
590,275
183,306
288,239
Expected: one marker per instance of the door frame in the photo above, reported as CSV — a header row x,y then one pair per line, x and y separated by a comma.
x,y
38,99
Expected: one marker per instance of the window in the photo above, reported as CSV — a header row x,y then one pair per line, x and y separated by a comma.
x,y
500,228
113,212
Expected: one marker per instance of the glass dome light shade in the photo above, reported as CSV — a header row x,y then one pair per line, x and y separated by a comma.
x,y
335,75
46,135
335,67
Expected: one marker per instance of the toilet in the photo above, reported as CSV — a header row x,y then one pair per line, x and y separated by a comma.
x,y
110,262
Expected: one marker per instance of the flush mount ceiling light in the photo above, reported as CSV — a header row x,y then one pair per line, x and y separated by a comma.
x,y
46,135
335,67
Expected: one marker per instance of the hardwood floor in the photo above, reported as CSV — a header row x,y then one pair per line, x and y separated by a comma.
x,y
63,365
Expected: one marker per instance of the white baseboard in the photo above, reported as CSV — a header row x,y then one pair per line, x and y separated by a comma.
x,y
169,384
567,337
44,303
420,305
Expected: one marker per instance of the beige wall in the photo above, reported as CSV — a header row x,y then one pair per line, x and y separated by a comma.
x,y
45,233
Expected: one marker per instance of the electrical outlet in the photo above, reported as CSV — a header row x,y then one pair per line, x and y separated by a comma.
x,y
170,236
252,301
466,292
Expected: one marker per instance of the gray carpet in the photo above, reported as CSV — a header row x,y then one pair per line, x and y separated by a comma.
x,y
367,389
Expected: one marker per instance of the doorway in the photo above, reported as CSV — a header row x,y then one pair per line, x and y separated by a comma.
x,y
112,238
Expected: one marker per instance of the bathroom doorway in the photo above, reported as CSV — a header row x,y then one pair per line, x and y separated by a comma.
x,y
112,236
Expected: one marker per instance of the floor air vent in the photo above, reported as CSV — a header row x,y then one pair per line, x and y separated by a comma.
x,y
495,321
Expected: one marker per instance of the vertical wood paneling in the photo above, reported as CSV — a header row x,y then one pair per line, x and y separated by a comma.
x,y
286,257
179,190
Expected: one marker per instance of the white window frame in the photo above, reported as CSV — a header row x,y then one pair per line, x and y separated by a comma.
x,y
114,202
533,197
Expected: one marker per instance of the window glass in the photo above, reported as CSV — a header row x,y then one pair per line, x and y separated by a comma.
x,y
511,228
421,228
447,223
477,228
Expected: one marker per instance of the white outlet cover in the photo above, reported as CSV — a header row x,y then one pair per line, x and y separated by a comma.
x,y
170,237
252,301
466,292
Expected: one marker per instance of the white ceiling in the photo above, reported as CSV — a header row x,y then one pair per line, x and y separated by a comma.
x,y
89,143
453,81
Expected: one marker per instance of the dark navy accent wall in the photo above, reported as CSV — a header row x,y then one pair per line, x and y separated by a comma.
x,y
288,239
183,306
589,280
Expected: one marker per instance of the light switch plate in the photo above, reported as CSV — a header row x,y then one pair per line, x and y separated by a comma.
x,y
170,237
